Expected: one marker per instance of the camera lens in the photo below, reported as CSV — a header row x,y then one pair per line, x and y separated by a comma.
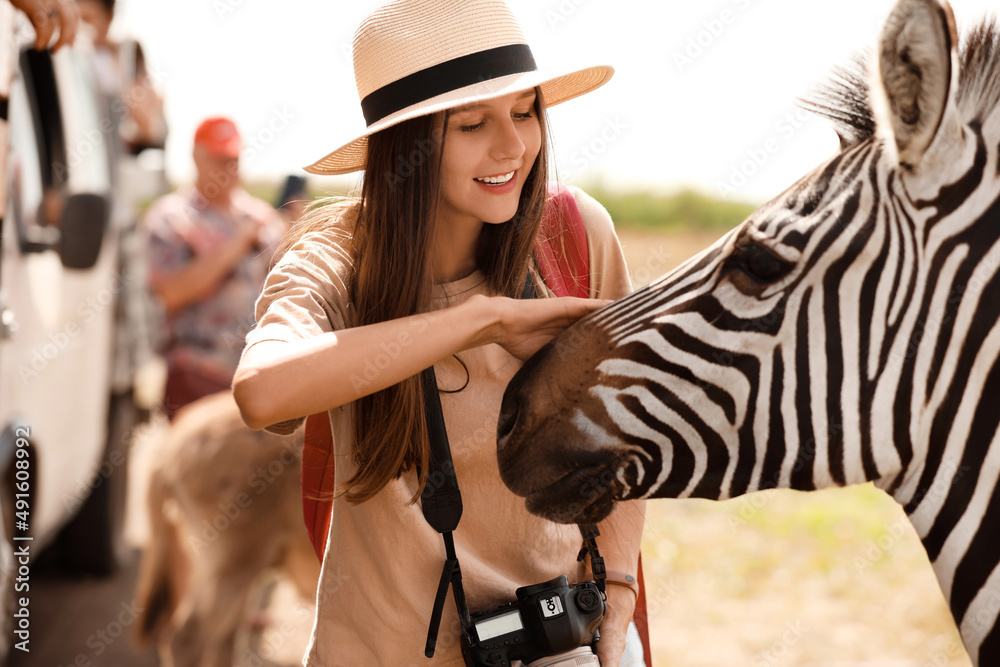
x,y
588,601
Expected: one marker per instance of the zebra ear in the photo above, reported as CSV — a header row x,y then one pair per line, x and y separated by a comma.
x,y
916,68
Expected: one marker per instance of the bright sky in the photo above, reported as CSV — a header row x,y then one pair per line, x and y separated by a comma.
x,y
703,95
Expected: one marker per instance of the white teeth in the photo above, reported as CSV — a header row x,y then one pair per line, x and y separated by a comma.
x,y
496,180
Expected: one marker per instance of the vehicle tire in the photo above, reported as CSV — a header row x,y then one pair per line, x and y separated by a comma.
x,y
91,543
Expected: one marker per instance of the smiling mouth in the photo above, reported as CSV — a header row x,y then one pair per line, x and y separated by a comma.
x,y
496,180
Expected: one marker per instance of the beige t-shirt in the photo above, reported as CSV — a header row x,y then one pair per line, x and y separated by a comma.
x,y
383,561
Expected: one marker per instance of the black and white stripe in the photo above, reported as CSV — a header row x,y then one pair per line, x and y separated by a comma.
x,y
848,331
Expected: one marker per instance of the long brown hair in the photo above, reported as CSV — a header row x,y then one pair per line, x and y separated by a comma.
x,y
390,278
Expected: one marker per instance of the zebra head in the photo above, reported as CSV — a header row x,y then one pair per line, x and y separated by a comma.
x,y
846,331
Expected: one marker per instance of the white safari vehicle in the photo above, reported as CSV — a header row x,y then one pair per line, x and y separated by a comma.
x,y
68,272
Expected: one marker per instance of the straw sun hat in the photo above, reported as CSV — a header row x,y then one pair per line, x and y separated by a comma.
x,y
418,57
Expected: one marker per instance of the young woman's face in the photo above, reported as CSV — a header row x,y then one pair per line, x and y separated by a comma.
x,y
490,148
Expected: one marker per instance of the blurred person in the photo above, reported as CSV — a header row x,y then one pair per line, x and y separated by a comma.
x,y
137,122
293,200
122,76
209,249
48,15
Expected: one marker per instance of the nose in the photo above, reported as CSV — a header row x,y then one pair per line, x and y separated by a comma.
x,y
509,408
507,144
519,393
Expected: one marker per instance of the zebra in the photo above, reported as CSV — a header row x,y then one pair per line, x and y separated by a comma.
x,y
848,331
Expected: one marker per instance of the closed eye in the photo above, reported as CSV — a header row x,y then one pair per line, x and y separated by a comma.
x,y
758,263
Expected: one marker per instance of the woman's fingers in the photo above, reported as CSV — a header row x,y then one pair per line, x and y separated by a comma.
x,y
529,325
565,311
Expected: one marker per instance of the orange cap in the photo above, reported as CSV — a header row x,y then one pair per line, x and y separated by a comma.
x,y
219,137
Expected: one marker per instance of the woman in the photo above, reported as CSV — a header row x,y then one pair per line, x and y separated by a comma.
x,y
424,269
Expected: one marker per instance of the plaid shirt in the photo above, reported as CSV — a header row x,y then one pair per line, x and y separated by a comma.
x,y
207,335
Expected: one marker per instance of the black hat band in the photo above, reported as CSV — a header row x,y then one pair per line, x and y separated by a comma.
x,y
446,77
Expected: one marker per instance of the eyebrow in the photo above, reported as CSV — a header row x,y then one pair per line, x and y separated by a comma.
x,y
479,105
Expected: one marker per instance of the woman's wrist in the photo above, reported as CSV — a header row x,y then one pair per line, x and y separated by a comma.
x,y
624,580
614,627
482,311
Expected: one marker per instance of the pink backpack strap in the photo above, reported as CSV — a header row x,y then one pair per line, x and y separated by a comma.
x,y
561,245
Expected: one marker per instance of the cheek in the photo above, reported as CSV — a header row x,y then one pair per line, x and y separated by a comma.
x,y
456,160
531,137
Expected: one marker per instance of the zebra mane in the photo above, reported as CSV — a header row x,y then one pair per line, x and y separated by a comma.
x,y
844,98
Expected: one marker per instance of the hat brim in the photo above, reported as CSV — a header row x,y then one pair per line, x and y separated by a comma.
x,y
555,89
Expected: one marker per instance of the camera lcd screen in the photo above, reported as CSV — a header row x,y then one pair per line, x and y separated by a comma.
x,y
499,625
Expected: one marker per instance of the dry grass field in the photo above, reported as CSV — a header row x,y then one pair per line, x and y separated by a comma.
x,y
834,578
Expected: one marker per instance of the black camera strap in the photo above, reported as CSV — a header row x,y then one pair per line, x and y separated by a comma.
x,y
441,502
590,533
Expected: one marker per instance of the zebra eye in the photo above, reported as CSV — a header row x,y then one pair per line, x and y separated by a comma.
x,y
761,264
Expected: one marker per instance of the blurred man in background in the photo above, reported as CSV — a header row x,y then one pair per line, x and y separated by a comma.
x,y
293,199
210,245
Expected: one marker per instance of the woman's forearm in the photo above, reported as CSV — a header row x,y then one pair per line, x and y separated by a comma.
x,y
619,541
621,534
278,380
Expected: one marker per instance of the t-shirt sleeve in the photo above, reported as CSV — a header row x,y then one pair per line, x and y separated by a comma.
x,y
304,296
609,278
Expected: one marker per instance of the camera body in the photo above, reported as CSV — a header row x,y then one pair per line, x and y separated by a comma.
x,y
546,619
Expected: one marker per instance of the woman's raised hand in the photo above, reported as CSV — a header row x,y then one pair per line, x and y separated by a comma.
x,y
523,326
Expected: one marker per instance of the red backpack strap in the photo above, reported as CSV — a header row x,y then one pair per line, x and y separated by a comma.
x,y
641,615
317,479
561,245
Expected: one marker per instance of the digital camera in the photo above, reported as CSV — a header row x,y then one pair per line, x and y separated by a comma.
x,y
545,621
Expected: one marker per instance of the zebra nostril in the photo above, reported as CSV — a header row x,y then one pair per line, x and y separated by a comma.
x,y
508,416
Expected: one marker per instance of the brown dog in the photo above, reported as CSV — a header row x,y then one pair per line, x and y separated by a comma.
x,y
224,504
